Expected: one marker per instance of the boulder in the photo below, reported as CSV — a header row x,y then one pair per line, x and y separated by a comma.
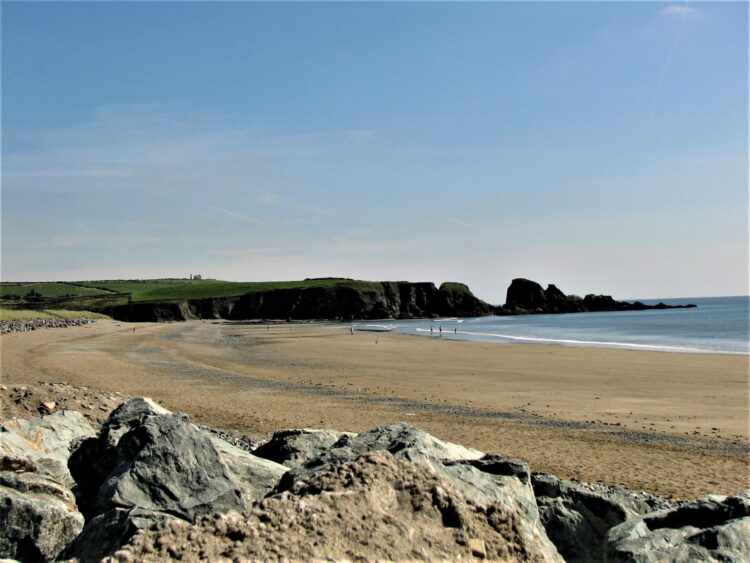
x,y
484,480
558,302
489,479
46,441
526,295
255,476
38,516
578,516
376,507
715,528
294,448
149,458
401,439
106,533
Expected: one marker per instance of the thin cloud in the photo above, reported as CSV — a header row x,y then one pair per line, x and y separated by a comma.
x,y
680,11
237,215
467,225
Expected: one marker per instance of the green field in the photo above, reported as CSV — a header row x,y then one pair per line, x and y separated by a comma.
x,y
48,289
158,290
24,314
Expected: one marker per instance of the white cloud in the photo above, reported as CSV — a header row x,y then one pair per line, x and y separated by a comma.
x,y
680,11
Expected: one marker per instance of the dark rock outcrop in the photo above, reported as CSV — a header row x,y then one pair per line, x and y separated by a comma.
x,y
108,532
578,516
155,460
373,300
147,464
294,448
527,297
368,300
150,311
715,528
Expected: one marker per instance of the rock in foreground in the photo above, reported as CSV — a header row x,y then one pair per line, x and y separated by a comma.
x,y
152,487
148,464
38,516
715,528
577,516
375,507
46,441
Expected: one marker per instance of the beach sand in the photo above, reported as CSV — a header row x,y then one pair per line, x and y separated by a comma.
x,y
668,423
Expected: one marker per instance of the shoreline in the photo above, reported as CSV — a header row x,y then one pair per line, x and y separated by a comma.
x,y
489,338
569,343
572,411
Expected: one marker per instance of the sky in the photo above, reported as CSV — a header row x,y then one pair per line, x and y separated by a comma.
x,y
599,146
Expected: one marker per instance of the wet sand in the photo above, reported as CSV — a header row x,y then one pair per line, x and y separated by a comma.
x,y
672,424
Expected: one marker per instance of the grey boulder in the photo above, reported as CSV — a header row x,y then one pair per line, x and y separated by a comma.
x,y
46,441
296,447
488,481
106,533
400,439
38,516
150,458
712,529
255,476
578,516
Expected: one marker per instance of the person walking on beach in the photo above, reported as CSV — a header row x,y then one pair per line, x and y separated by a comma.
x,y
441,330
430,330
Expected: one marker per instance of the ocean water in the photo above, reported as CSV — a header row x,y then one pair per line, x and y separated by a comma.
x,y
718,324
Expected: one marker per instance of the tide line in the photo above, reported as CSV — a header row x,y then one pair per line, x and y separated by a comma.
x,y
582,342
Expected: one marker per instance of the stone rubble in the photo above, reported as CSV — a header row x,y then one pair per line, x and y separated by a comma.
x,y
26,325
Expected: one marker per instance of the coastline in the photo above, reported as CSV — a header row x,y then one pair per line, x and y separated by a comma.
x,y
577,412
596,344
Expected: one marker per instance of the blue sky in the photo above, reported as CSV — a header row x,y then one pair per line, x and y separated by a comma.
x,y
599,146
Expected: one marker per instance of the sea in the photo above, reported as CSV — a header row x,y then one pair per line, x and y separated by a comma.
x,y
717,324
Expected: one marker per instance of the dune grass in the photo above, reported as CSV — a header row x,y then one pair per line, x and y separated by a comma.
x,y
28,314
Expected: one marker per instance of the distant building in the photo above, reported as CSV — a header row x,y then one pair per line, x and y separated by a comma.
x,y
196,277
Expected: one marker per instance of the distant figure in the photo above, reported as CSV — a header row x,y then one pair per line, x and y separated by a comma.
x,y
441,330
133,330
351,328
430,329
455,330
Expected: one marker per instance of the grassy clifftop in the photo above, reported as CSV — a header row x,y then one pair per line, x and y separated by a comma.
x,y
165,289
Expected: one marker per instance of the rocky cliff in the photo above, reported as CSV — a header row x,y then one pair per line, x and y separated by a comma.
x,y
527,297
373,300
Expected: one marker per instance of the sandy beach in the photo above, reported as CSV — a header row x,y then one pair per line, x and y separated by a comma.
x,y
672,424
